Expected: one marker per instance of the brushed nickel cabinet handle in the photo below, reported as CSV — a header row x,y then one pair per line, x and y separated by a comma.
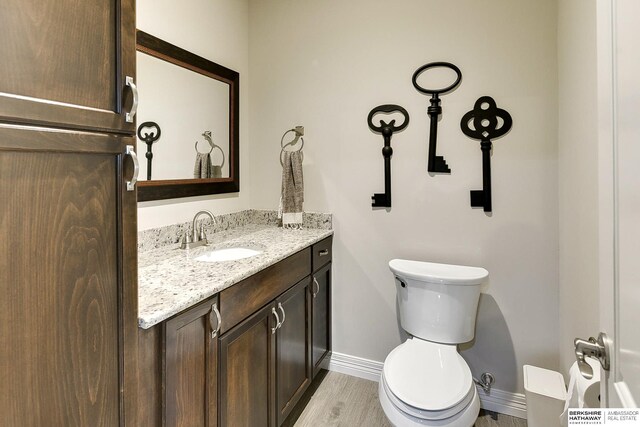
x,y
275,328
131,185
215,329
134,105
324,252
283,314
315,282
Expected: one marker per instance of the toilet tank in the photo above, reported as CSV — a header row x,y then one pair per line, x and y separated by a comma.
x,y
438,302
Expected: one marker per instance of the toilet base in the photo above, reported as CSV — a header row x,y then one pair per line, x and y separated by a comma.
x,y
465,418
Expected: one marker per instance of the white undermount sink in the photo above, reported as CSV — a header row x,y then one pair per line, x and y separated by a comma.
x,y
228,254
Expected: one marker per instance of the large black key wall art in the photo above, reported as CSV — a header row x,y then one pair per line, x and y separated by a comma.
x,y
387,130
436,163
485,122
151,134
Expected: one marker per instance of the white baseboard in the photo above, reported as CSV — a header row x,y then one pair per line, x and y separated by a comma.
x,y
503,402
355,366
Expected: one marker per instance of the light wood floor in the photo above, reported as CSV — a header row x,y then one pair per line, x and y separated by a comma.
x,y
345,401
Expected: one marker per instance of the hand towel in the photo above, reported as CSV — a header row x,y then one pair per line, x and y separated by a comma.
x,y
202,168
292,194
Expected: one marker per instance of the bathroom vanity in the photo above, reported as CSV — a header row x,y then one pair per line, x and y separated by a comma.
x,y
237,342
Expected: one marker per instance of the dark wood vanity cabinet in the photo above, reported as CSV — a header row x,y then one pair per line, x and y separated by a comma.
x,y
321,303
247,371
321,316
190,367
265,361
293,347
274,333
278,350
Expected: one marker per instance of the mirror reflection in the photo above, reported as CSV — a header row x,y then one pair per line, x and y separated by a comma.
x,y
192,112
188,122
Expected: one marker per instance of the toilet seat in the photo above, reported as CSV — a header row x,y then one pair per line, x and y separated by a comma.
x,y
428,381
422,413
465,418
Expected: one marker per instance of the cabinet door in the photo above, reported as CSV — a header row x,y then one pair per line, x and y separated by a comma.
x,y
321,316
68,317
293,347
65,62
247,372
190,367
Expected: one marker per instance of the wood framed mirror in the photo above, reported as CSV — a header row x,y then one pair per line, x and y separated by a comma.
x,y
195,104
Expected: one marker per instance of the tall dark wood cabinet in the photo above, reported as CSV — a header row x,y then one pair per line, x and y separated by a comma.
x,y
65,63
68,250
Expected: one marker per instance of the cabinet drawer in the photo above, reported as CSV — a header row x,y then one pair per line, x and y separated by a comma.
x,y
245,298
321,253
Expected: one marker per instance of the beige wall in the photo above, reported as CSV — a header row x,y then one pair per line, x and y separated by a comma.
x,y
325,65
217,30
578,174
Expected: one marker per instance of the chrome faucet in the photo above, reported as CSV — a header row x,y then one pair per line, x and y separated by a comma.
x,y
198,237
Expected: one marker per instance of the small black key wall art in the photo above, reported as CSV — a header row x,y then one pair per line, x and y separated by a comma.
x,y
387,130
149,132
436,164
485,122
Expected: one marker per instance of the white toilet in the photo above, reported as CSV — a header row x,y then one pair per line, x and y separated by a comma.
x,y
425,382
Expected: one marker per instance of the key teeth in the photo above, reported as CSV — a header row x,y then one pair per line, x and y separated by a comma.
x,y
440,165
379,200
477,198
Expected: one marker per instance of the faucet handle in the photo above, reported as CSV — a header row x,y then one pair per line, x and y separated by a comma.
x,y
186,240
202,236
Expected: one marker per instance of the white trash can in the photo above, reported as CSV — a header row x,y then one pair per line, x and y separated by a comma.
x,y
546,394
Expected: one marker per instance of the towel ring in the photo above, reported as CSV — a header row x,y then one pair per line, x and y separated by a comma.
x,y
299,131
212,147
207,135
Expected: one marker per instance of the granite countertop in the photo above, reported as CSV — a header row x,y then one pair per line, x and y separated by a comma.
x,y
171,280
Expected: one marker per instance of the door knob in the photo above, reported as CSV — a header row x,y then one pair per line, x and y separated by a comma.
x,y
595,348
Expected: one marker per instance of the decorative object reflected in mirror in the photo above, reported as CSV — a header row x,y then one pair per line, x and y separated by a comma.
x,y
196,103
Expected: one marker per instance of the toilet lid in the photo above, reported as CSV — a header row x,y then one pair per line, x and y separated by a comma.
x,y
427,375
438,273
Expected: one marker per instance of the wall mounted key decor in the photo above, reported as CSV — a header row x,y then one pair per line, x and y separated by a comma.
x,y
436,163
387,130
151,134
483,123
